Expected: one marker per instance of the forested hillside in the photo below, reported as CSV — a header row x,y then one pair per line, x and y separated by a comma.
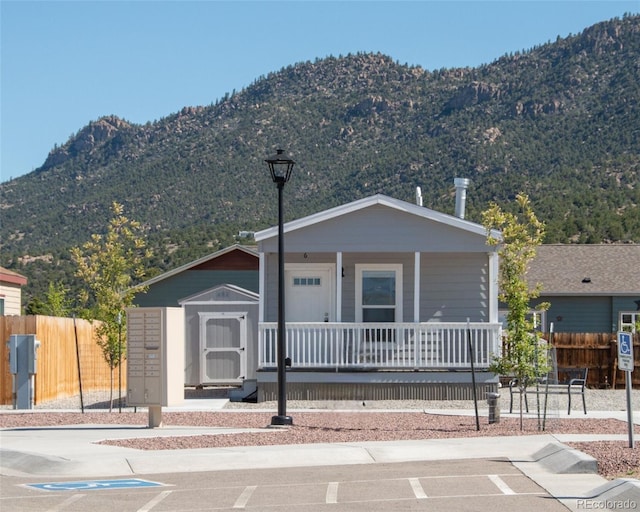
x,y
560,122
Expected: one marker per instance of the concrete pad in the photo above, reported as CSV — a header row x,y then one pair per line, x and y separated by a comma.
x,y
618,491
456,448
25,463
560,459
252,457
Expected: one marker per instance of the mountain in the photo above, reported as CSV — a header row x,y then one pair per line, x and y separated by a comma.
x,y
560,122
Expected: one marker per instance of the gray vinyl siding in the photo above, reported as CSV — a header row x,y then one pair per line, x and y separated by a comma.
x,y
349,262
271,288
169,291
377,229
454,288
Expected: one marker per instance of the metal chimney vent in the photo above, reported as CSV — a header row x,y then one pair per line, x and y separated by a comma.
x,y
461,195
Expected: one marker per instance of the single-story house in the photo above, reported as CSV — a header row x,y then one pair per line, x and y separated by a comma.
x,y
11,284
591,288
382,296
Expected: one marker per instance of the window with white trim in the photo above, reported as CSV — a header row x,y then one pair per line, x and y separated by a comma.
x,y
379,293
630,321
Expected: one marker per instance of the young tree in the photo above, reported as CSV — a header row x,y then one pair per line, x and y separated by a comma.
x,y
56,303
524,355
110,265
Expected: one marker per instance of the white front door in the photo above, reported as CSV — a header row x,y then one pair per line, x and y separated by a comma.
x,y
309,292
223,341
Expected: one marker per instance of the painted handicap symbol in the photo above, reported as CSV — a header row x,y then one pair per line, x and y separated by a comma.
x,y
93,485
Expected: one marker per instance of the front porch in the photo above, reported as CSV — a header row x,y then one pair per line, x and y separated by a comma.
x,y
381,346
380,361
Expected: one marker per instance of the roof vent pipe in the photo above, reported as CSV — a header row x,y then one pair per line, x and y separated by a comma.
x,y
461,195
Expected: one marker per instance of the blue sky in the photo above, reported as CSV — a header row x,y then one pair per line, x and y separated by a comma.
x,y
64,64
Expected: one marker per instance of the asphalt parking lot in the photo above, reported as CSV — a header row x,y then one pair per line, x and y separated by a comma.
x,y
473,484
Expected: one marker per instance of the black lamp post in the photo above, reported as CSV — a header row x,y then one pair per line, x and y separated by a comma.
x,y
280,167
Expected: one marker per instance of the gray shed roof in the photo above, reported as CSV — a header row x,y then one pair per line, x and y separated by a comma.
x,y
612,269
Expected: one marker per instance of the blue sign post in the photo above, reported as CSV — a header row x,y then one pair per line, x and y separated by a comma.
x,y
625,362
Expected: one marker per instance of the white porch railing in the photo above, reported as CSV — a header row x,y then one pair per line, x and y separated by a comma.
x,y
381,345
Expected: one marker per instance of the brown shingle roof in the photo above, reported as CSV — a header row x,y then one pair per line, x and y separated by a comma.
x,y
587,269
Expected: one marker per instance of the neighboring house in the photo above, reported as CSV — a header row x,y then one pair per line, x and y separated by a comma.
x,y
236,265
591,288
11,284
381,298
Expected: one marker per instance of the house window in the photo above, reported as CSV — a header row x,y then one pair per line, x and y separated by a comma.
x,y
306,281
378,293
1,307
630,321
537,317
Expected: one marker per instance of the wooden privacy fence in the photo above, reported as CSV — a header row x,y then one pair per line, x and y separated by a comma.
x,y
57,365
599,353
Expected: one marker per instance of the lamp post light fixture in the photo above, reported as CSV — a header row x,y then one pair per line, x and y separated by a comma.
x,y
280,168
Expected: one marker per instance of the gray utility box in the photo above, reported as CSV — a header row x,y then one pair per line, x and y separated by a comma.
x,y
155,357
23,364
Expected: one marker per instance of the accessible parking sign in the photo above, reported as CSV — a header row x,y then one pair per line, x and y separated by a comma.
x,y
625,351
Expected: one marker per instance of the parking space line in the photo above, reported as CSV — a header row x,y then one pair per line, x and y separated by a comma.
x,y
332,492
62,505
243,499
152,503
417,488
501,484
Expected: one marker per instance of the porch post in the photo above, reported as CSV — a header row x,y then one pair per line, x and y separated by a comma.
x,y
339,287
261,287
493,286
416,287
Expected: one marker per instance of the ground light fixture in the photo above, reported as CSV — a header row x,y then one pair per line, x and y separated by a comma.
x,y
280,167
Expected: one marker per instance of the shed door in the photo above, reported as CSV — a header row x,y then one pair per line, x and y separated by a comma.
x,y
223,341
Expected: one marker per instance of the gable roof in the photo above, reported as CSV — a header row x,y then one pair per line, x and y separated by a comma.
x,y
229,291
602,269
200,261
378,199
10,277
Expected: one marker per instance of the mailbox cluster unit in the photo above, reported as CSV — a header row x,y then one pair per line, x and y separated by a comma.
x,y
155,356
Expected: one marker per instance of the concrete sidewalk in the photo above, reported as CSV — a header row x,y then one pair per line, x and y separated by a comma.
x,y
71,452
